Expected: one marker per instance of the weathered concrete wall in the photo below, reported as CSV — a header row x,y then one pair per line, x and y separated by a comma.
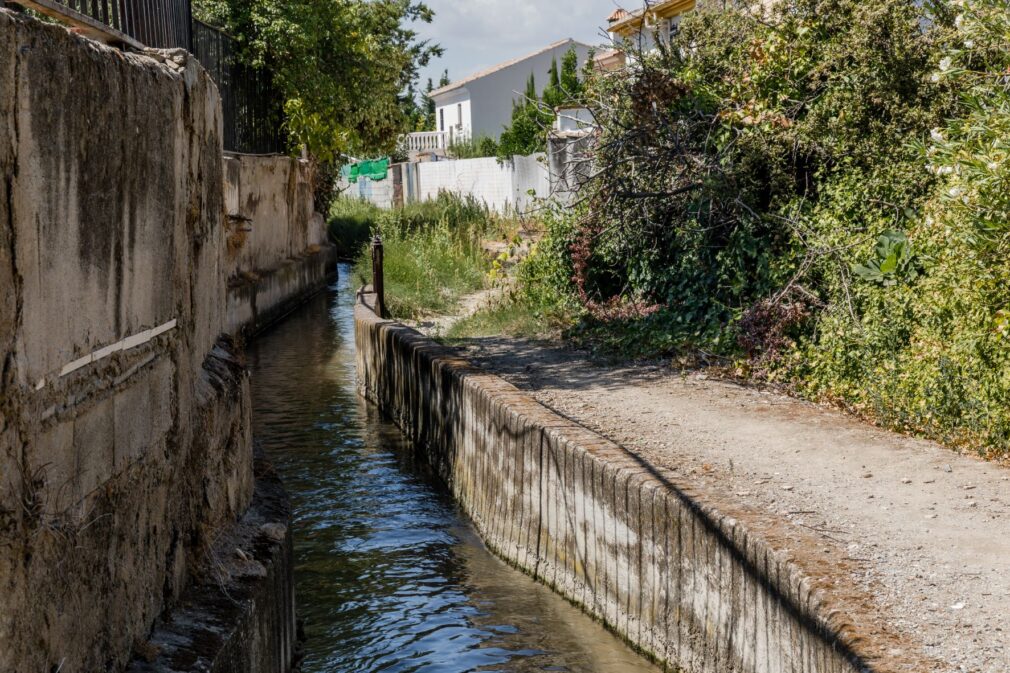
x,y
613,534
278,251
125,443
240,616
256,303
270,207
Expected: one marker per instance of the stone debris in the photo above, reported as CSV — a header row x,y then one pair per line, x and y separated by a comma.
x,y
274,531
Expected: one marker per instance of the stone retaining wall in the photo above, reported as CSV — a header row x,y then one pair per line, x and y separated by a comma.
x,y
125,441
611,533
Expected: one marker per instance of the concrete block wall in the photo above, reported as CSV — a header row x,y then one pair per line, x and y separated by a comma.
x,y
505,187
378,192
484,179
692,588
502,186
125,444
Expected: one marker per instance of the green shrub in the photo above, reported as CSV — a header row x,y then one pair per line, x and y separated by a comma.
x,y
929,355
820,197
474,148
350,226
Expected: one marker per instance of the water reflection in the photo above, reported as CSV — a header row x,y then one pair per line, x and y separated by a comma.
x,y
390,576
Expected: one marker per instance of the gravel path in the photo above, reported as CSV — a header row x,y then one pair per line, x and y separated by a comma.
x,y
913,537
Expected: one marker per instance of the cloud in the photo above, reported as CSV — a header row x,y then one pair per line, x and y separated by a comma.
x,y
477,34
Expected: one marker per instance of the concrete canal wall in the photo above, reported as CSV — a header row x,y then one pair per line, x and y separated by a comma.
x,y
125,442
690,587
278,252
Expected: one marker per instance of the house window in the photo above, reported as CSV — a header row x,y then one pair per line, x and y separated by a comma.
x,y
441,120
459,115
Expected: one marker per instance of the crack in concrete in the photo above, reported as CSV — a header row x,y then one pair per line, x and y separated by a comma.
x,y
13,402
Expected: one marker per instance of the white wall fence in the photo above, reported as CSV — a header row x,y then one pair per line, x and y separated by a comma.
x,y
508,186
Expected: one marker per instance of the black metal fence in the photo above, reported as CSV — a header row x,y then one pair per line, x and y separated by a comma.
x,y
161,24
251,104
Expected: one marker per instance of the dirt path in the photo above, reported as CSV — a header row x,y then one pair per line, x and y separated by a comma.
x,y
469,305
915,537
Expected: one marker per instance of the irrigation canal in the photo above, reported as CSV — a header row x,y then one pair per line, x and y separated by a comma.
x,y
390,574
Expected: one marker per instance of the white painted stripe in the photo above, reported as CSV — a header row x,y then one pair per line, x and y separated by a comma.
x,y
136,340
106,352
126,344
77,364
167,327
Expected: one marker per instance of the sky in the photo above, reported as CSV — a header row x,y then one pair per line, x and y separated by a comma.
x,y
477,34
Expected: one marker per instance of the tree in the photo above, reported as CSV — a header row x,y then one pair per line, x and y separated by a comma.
x,y
527,134
570,84
345,69
429,107
533,116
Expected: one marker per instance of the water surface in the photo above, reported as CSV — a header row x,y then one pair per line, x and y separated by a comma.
x,y
390,575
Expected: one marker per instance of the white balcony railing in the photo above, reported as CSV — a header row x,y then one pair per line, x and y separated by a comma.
x,y
429,140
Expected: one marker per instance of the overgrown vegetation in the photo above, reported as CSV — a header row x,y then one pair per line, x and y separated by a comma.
x,y
474,148
433,251
816,197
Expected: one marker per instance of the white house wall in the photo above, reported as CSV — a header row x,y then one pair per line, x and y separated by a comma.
x,y
492,96
456,107
516,185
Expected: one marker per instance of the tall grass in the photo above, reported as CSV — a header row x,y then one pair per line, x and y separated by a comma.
x,y
433,251
350,226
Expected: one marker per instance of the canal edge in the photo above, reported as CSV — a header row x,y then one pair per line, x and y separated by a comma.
x,y
632,545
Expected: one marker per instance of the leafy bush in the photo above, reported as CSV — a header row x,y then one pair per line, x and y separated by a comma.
x,y
820,197
931,356
893,261
474,148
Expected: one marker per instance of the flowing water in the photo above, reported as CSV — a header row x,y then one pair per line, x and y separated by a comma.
x,y
390,574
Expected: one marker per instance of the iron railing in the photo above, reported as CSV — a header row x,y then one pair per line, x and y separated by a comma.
x,y
251,105
160,24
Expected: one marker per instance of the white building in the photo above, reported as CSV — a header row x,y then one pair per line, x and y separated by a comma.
x,y
481,104
640,30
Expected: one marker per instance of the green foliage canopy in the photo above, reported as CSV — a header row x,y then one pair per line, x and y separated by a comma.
x,y
345,67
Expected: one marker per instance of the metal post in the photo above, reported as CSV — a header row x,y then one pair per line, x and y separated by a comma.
x,y
377,280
